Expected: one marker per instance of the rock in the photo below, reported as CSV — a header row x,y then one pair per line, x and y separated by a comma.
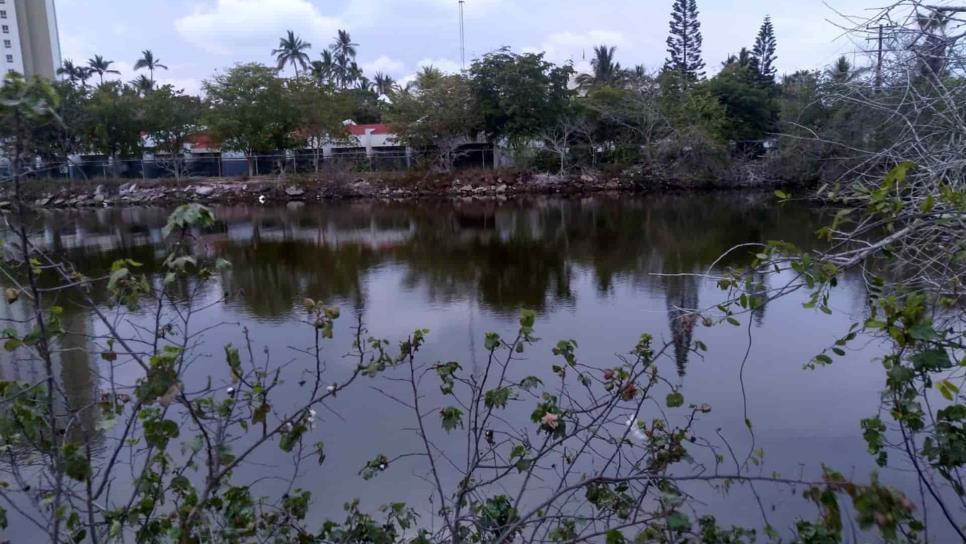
x,y
587,178
99,199
100,191
501,188
294,192
5,205
204,190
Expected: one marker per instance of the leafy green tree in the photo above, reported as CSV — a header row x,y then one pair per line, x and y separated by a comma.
x,y
437,113
114,121
100,66
250,111
291,50
764,53
171,117
684,42
750,109
149,61
25,107
518,96
320,111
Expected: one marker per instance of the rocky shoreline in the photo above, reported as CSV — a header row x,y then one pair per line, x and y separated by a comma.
x,y
280,190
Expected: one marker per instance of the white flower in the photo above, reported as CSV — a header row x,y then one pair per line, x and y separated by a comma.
x,y
231,390
331,388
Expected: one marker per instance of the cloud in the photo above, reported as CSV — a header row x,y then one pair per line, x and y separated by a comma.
x,y
232,25
577,46
385,65
446,66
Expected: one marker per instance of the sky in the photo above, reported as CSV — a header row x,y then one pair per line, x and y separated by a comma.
x,y
196,38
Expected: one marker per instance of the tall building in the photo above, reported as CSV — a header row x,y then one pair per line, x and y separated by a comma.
x,y
29,43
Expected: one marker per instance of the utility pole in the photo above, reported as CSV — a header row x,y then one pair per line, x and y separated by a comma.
x,y
462,39
878,61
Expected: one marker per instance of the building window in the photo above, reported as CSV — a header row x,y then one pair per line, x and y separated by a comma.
x,y
7,44
10,59
6,29
3,14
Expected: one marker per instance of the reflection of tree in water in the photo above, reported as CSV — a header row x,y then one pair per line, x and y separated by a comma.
x,y
523,253
681,296
759,287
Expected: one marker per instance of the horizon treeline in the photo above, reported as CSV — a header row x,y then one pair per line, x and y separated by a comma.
x,y
673,122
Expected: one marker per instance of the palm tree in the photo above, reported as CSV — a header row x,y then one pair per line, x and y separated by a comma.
x,y
364,84
292,50
149,61
83,74
143,84
324,70
71,72
100,67
384,83
353,74
606,71
343,52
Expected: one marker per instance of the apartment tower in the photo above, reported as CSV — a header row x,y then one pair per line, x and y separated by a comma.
x,y
29,43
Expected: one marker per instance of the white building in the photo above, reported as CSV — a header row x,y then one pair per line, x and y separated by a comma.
x,y
29,43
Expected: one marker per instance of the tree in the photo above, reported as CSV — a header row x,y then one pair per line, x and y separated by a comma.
x,y
143,85
251,111
323,71
149,61
74,74
292,50
384,84
437,113
684,42
25,107
750,109
320,113
606,71
171,117
518,96
100,66
343,53
114,120
763,54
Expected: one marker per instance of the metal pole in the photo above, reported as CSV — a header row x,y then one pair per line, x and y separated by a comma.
x,y
462,39
878,63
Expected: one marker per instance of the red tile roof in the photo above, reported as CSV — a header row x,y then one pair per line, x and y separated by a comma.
x,y
362,130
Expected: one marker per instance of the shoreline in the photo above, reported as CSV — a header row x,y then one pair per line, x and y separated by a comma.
x,y
454,186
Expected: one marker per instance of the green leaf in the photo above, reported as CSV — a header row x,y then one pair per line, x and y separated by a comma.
x,y
452,418
675,399
947,389
497,398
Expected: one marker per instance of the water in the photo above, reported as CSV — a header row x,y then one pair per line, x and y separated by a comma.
x,y
594,269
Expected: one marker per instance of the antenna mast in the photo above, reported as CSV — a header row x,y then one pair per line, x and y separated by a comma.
x,y
462,39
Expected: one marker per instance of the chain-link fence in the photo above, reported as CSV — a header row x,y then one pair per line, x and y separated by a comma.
x,y
202,165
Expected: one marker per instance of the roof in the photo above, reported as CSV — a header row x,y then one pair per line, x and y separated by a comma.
x,y
201,140
362,130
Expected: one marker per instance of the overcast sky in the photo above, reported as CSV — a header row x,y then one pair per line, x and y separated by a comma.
x,y
197,37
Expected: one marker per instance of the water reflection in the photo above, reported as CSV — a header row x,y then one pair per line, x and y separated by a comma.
x,y
500,256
